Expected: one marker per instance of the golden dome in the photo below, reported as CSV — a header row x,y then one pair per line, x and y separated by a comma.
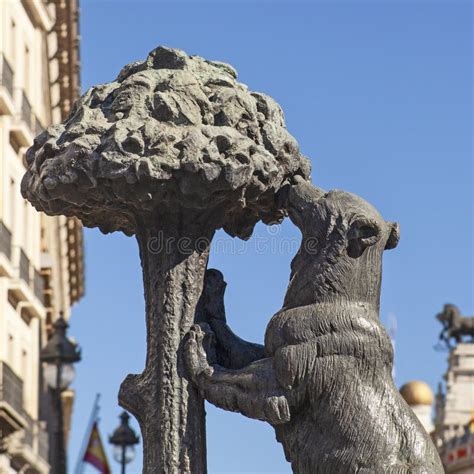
x,y
417,392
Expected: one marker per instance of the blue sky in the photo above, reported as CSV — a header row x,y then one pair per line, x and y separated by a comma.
x,y
379,96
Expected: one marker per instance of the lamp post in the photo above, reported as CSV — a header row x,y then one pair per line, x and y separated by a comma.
x,y
123,440
59,355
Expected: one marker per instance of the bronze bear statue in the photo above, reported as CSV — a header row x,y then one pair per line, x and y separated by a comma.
x,y
323,379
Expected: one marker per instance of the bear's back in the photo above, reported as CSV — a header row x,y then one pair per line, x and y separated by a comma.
x,y
302,324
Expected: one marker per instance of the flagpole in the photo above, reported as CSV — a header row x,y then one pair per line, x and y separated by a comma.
x,y
93,418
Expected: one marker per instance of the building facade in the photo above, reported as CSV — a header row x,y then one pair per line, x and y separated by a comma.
x,y
41,259
454,411
453,427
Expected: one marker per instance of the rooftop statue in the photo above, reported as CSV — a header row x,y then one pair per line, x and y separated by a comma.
x,y
172,150
455,326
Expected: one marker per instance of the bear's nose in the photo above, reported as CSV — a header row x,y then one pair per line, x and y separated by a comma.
x,y
394,235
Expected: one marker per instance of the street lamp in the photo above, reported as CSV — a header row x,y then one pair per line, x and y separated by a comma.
x,y
123,440
59,355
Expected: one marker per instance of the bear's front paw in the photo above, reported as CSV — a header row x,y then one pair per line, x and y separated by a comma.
x,y
200,338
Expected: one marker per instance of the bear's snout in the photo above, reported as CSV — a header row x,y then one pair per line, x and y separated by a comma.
x,y
393,236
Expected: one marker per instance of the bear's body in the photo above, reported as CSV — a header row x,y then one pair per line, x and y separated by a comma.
x,y
337,366
324,376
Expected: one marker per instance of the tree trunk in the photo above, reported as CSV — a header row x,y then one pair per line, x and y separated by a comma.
x,y
174,253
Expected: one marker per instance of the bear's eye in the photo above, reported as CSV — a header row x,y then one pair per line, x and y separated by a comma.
x,y
362,234
367,231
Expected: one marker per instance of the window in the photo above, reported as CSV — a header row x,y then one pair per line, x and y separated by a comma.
x,y
12,41
24,365
24,376
25,225
12,205
10,350
26,71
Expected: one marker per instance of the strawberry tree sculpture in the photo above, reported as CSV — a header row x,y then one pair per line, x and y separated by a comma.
x,y
172,150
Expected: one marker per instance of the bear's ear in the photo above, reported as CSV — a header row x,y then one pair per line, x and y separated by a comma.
x,y
394,236
362,234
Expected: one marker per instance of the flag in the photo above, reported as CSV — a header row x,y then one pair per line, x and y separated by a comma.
x,y
95,453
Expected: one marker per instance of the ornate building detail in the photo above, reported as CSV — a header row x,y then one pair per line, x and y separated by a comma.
x,y
419,397
41,258
454,405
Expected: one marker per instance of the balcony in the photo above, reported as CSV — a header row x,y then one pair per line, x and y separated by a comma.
x,y
43,444
27,285
6,268
37,282
11,399
26,111
7,107
28,434
23,126
24,267
5,240
38,285
27,450
28,445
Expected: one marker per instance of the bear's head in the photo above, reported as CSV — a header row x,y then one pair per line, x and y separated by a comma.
x,y
341,250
